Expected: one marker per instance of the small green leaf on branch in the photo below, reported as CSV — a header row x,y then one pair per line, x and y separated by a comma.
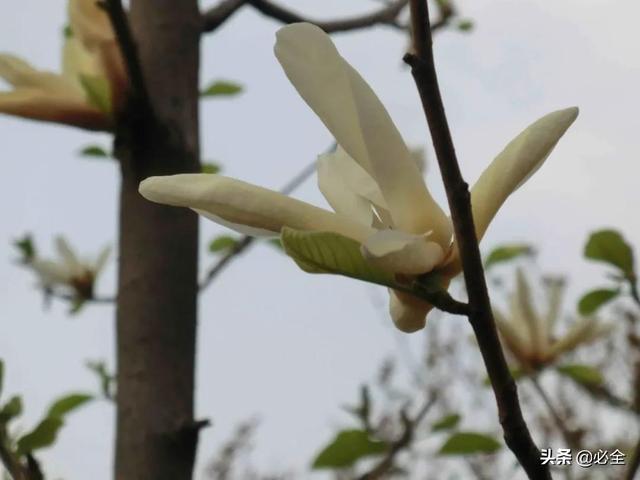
x,y
347,448
595,299
468,443
221,88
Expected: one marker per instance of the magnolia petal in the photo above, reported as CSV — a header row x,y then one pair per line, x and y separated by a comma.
x,y
516,163
92,27
51,273
409,314
348,187
20,74
555,292
237,202
513,337
582,332
361,125
101,261
525,311
49,107
77,60
402,253
69,258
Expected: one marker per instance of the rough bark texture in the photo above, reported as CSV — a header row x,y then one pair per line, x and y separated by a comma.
x,y
156,314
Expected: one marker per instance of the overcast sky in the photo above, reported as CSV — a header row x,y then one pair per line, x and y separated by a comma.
x,y
275,342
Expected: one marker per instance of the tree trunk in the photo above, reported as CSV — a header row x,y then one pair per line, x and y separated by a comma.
x,y
157,294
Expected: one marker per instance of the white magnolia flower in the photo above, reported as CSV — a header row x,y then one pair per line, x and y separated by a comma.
x,y
91,56
372,183
528,334
69,271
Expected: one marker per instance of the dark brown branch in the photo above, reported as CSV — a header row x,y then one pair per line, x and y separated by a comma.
x,y
120,23
13,466
386,15
216,16
516,432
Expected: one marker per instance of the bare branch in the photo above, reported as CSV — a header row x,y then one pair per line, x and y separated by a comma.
x,y
516,432
216,16
402,443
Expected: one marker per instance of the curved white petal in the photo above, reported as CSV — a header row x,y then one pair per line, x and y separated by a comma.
x,y
51,273
516,163
409,314
348,188
361,125
101,261
402,253
237,202
582,332
20,74
68,256
77,60
524,309
513,336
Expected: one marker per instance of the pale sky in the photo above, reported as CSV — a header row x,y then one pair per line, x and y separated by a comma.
x,y
275,342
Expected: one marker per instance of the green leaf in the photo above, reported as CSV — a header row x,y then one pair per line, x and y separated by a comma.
x,y
446,423
610,247
592,301
11,409
107,380
27,247
221,88
506,253
210,168
467,443
68,403
44,435
95,151
347,448
328,252
465,25
223,244
97,91
67,32
583,374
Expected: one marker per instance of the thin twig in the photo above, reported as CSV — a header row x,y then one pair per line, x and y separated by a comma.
x,y
403,442
216,16
567,435
516,432
387,15
120,23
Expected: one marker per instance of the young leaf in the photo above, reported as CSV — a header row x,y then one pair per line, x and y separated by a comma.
x,y
467,443
10,410
44,435
347,448
328,252
210,168
583,374
506,253
465,25
221,88
95,151
27,247
446,423
97,91
222,244
67,404
592,301
610,247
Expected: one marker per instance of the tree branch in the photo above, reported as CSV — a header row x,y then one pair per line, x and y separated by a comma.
x,y
403,442
516,432
634,465
216,16
13,466
387,15
129,50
